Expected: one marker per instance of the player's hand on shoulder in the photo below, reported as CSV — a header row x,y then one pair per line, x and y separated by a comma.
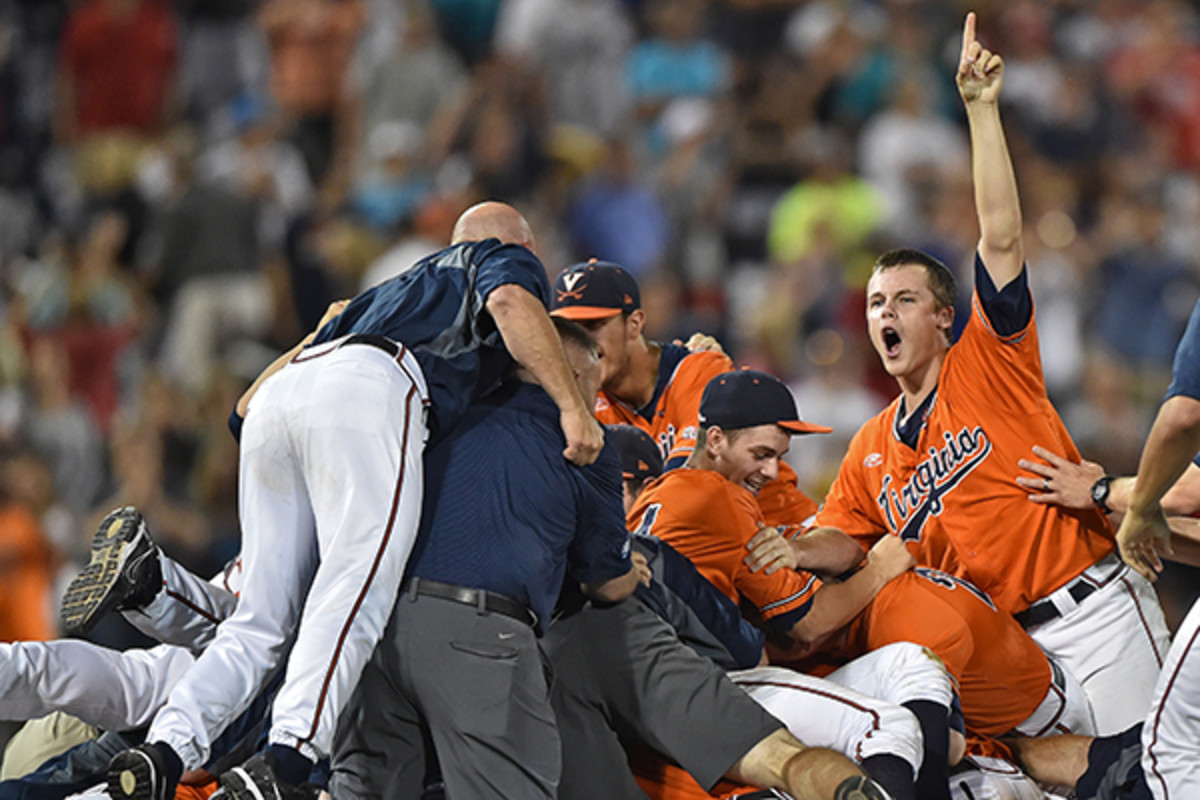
x,y
890,556
702,343
1055,480
980,71
769,551
585,437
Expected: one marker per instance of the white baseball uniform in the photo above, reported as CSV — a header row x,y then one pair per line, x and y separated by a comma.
x,y
1171,733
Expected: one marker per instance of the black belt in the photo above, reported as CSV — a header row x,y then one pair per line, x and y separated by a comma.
x,y
1044,610
480,598
382,342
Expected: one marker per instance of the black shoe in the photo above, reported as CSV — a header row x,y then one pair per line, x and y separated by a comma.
x,y
123,572
256,780
138,774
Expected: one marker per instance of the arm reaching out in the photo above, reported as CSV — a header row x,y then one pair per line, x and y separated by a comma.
x,y
980,76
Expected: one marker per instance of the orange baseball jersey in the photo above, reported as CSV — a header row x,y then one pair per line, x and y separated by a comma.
x,y
1001,673
671,415
954,498
709,519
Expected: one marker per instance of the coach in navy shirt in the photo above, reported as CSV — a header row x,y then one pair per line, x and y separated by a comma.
x,y
505,517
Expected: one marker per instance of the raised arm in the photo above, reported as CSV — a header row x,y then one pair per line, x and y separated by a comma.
x,y
980,76
530,337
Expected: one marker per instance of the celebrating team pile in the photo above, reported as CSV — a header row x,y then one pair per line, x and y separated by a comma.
x,y
456,583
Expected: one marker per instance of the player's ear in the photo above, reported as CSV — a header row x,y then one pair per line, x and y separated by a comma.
x,y
945,318
634,323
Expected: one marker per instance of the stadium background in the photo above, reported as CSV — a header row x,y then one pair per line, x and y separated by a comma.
x,y
185,185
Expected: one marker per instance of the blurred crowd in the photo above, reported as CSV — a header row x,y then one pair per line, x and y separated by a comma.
x,y
185,186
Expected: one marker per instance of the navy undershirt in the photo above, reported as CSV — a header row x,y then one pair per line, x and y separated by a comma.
x,y
1009,310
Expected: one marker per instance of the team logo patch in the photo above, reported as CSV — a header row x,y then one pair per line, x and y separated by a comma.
x,y
873,460
601,404
570,279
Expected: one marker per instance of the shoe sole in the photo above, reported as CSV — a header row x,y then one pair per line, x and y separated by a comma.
x,y
132,776
95,590
239,785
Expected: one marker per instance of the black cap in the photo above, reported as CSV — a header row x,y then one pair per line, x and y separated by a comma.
x,y
640,457
749,398
594,290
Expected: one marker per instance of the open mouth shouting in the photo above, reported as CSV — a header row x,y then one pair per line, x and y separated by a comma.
x,y
891,342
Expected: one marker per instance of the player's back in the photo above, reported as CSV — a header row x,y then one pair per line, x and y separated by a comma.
x,y
1002,674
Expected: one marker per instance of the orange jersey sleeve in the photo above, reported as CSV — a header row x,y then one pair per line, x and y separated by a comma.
x,y
710,519
675,409
953,497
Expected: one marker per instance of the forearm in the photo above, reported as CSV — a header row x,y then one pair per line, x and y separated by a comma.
x,y
835,605
996,200
826,551
1173,442
613,590
1185,540
530,338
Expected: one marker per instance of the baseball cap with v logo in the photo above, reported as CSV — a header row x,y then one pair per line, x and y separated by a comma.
x,y
594,290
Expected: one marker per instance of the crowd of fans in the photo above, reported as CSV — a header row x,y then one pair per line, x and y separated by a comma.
x,y
185,186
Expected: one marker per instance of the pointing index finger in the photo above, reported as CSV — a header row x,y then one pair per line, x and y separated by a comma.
x,y
968,34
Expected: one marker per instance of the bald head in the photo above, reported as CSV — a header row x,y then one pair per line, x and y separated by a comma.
x,y
492,220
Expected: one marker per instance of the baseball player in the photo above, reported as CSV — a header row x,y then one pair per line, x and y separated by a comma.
x,y
707,512
652,386
1005,681
657,387
651,670
936,467
330,494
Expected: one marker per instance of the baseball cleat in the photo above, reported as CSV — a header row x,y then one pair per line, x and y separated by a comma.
x,y
256,780
123,572
138,774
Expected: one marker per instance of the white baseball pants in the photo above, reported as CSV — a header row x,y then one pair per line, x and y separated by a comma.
x,y
856,709
330,496
1113,642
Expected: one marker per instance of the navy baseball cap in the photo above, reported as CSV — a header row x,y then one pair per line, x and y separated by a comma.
x,y
748,398
594,290
640,456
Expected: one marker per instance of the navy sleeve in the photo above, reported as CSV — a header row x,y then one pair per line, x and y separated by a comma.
x,y
1008,309
1185,374
600,548
782,625
501,264
716,612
